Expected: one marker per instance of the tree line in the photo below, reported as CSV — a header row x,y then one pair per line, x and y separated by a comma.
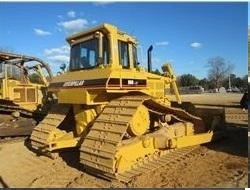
x,y
191,80
219,72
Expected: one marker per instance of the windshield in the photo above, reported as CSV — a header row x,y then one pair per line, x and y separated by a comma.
x,y
13,72
84,55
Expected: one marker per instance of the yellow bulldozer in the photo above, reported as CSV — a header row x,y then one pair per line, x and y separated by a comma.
x,y
21,97
118,113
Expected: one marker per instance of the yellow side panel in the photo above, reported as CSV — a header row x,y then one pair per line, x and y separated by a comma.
x,y
74,96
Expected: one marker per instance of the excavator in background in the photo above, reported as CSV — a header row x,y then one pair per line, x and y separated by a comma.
x,y
23,93
117,113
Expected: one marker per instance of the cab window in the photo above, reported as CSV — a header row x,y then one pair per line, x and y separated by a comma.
x,y
135,59
123,54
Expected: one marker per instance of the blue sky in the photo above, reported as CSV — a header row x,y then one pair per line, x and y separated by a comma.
x,y
185,34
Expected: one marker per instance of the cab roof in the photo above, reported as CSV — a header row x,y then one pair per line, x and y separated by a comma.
x,y
105,28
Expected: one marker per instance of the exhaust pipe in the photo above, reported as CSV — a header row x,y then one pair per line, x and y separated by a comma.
x,y
150,59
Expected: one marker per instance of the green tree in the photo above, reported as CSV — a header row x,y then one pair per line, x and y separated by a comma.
x,y
188,80
239,82
204,83
245,81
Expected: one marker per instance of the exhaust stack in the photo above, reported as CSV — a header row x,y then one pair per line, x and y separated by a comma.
x,y
150,59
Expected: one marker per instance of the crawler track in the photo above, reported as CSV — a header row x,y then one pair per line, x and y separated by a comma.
x,y
98,149
149,165
41,132
97,152
7,106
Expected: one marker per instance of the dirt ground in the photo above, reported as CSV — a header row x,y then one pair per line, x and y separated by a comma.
x,y
219,164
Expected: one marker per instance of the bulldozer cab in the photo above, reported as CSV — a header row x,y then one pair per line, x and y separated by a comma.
x,y
22,80
102,46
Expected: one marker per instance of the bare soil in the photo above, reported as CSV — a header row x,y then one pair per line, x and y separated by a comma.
x,y
219,164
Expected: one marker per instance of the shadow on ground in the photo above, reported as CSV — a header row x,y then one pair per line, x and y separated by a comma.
x,y
234,142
